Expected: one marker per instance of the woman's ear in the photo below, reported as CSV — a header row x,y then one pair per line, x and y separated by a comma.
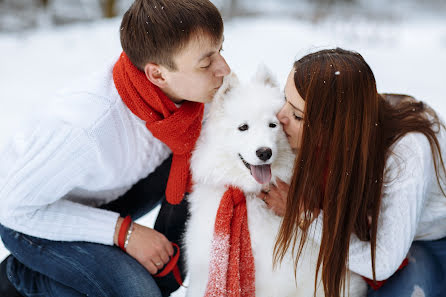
x,y
264,76
154,74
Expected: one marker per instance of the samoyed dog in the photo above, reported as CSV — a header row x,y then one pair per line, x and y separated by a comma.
x,y
242,145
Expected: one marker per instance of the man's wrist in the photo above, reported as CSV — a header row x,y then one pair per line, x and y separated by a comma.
x,y
117,228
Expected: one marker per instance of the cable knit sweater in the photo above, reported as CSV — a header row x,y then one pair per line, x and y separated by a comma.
x,y
412,208
85,148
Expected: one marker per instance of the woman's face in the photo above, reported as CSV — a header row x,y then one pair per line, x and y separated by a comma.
x,y
292,113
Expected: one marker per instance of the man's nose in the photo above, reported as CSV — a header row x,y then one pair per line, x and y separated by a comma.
x,y
222,68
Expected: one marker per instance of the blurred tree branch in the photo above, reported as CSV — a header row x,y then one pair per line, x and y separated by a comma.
x,y
233,8
330,2
109,8
229,8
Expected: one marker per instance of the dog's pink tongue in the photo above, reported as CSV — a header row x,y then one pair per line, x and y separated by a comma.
x,y
261,173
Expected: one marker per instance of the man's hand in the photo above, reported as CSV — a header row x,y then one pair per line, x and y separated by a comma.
x,y
149,247
276,197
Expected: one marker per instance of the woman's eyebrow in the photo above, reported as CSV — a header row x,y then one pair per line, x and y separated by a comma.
x,y
289,102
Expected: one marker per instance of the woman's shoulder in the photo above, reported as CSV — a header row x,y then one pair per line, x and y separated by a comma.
x,y
411,145
411,155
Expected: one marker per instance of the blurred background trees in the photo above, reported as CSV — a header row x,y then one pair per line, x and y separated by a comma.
x,y
19,15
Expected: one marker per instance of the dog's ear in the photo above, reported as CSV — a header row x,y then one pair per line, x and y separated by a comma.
x,y
264,76
230,81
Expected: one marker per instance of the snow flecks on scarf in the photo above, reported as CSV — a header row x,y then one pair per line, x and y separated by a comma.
x,y
218,265
231,253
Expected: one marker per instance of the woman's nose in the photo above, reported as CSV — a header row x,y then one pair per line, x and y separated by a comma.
x,y
281,115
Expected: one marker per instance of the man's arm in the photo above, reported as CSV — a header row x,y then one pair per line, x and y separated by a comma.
x,y
44,163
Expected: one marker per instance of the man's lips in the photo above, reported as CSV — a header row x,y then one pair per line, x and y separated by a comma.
x,y
219,85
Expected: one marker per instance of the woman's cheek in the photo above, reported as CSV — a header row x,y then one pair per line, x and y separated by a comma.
x,y
299,136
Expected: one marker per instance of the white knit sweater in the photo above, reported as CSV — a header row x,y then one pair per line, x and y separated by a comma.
x,y
412,208
85,148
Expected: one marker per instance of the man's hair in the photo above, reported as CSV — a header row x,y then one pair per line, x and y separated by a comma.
x,y
153,31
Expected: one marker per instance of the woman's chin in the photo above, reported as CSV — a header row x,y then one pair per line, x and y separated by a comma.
x,y
293,145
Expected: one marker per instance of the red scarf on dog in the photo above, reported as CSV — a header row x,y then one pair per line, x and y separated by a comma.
x,y
178,128
231,271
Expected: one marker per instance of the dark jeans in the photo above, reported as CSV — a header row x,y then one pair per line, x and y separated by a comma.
x,y
42,267
424,276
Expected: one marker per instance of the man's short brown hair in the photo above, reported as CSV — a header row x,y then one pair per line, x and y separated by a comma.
x,y
153,31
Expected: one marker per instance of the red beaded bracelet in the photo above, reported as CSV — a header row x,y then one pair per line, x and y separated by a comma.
x,y
123,232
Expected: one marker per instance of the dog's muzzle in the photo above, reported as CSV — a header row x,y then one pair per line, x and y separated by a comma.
x,y
261,173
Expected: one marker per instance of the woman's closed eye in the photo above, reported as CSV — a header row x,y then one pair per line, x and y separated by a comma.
x,y
299,118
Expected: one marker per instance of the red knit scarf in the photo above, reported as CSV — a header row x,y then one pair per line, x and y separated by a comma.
x,y
178,128
231,271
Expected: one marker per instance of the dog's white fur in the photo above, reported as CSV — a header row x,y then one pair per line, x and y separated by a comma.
x,y
216,164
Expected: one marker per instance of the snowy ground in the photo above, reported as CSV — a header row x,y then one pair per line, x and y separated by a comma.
x,y
406,56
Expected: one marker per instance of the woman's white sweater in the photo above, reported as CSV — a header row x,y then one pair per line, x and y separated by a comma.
x,y
412,208
83,149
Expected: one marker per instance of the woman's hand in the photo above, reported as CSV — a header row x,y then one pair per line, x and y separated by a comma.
x,y
149,247
275,198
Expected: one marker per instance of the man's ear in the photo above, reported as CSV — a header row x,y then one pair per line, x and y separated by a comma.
x,y
155,75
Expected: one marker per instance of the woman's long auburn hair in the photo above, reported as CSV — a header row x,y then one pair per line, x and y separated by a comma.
x,y
347,134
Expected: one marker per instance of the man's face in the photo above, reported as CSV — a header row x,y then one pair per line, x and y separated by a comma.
x,y
200,71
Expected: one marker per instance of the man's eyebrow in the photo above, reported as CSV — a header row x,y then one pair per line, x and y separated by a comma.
x,y
206,55
210,53
289,102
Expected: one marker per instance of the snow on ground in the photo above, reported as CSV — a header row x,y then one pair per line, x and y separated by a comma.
x,y
407,56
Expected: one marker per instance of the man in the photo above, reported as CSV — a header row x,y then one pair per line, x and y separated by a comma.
x,y
65,168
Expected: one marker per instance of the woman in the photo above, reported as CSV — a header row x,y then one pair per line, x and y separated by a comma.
x,y
371,171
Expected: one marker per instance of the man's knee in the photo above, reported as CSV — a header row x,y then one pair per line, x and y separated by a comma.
x,y
118,274
138,286
92,269
125,280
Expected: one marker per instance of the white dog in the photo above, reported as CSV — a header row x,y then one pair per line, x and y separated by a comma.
x,y
242,144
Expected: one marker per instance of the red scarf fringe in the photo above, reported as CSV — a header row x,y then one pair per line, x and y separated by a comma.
x,y
231,271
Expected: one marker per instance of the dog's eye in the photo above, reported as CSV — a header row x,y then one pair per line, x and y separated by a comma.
x,y
243,127
272,125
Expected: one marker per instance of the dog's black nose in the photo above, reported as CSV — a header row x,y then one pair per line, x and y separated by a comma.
x,y
264,153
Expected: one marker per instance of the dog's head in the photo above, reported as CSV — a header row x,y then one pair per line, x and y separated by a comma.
x,y
242,142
